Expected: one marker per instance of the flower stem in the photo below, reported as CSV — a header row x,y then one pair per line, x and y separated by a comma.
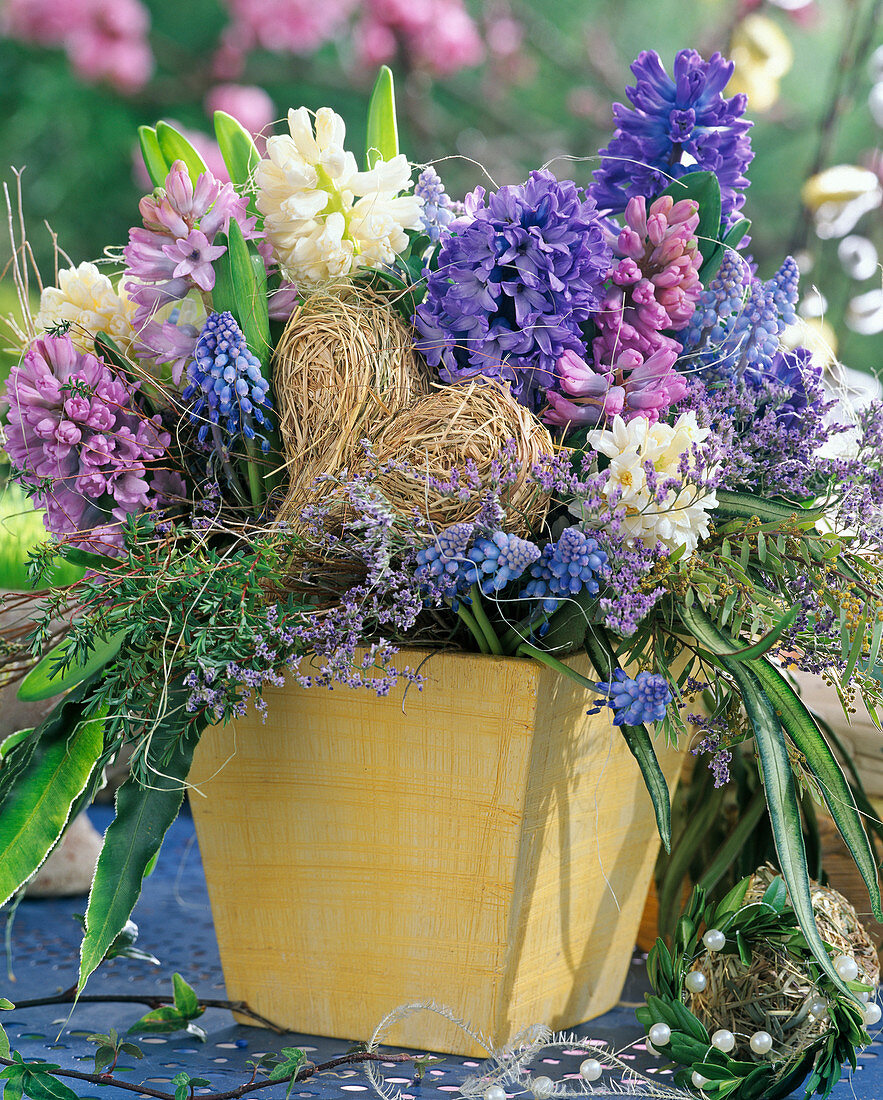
x,y
254,478
474,629
490,634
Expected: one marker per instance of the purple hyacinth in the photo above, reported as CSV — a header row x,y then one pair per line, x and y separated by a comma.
x,y
565,568
226,381
436,214
498,560
173,254
517,276
795,385
74,430
675,126
637,701
746,321
443,566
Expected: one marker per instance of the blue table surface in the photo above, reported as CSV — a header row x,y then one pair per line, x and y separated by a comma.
x,y
175,924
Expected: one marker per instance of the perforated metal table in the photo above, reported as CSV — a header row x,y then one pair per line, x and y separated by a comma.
x,y
175,924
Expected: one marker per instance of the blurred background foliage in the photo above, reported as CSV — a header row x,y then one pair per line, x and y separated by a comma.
x,y
503,84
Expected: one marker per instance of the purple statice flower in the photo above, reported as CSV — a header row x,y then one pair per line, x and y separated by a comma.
x,y
654,288
637,701
565,568
517,276
498,560
712,743
75,433
443,566
675,126
227,389
436,213
172,254
743,337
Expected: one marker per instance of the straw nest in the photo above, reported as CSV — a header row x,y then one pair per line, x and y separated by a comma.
x,y
457,428
774,993
344,365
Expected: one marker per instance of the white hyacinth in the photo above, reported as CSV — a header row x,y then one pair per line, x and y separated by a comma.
x,y
322,215
87,301
680,518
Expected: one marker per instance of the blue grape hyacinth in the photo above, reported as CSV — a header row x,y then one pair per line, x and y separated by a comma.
x,y
443,566
231,393
566,567
637,701
499,559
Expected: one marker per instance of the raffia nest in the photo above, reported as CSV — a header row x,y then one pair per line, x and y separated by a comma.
x,y
773,994
344,365
455,427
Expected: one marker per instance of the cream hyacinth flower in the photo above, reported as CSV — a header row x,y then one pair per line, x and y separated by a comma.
x,y
680,518
87,301
322,215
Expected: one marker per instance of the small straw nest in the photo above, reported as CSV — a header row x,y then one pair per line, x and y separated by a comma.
x,y
773,994
454,427
344,365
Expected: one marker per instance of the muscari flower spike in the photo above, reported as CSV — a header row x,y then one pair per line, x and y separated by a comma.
x,y
634,702
226,381
499,559
565,568
443,565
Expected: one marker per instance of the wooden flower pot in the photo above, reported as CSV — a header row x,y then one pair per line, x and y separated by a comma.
x,y
482,843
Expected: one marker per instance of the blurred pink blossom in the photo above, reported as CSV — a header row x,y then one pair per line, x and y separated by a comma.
x,y
104,39
437,35
247,103
294,26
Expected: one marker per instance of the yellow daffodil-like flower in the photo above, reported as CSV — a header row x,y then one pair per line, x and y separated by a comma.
x,y
86,300
762,55
322,215
839,196
680,518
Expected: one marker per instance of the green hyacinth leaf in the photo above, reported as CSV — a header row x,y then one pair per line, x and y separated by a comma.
x,y
36,811
174,146
640,744
781,796
745,506
703,188
382,142
44,680
143,816
242,290
156,164
808,739
240,155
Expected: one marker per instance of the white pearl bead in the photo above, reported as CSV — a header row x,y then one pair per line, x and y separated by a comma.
x,y
660,1034
846,967
761,1042
651,1049
495,1092
714,939
591,1069
724,1040
819,1009
872,1014
542,1087
698,1080
695,981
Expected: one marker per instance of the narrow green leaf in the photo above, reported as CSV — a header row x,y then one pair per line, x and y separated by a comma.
x,y
781,796
801,728
156,164
4,1043
382,141
767,641
727,853
159,1021
9,743
855,649
767,511
44,681
704,188
88,560
600,653
143,814
174,146
36,810
186,1001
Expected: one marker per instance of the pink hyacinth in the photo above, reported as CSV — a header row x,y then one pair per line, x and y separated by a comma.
x,y
75,433
173,254
104,39
656,282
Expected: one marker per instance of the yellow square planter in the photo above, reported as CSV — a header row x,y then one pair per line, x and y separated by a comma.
x,y
483,843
